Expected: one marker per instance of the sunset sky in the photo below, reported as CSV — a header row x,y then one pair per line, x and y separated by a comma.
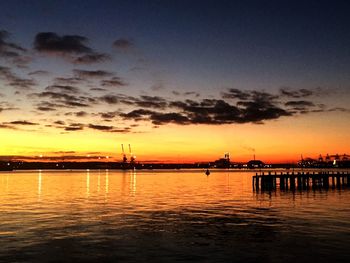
x,y
180,81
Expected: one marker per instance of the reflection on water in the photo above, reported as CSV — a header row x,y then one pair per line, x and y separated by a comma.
x,y
87,183
107,184
133,183
39,184
166,216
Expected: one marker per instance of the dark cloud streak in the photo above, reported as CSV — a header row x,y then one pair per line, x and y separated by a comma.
x,y
72,47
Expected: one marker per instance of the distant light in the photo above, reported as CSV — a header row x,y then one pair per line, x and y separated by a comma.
x,y
41,156
88,155
99,157
107,157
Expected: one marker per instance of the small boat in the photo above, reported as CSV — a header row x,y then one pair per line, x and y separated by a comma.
x,y
207,172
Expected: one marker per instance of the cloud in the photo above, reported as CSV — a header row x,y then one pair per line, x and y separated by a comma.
x,y
103,128
72,47
8,46
6,73
64,89
191,93
52,43
62,100
118,99
339,109
157,118
98,89
236,94
22,123
81,114
13,125
100,127
14,81
187,93
91,58
143,101
22,84
113,82
12,52
39,73
137,115
171,117
59,122
123,44
209,111
93,74
5,126
256,107
108,115
151,102
47,106
6,106
74,127
235,107
300,103
68,81
300,93
110,99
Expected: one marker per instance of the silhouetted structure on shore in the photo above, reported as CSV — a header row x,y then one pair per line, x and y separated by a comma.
x,y
255,164
223,162
300,180
336,160
333,161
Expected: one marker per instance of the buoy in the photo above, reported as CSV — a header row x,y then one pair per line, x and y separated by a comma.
x,y
207,172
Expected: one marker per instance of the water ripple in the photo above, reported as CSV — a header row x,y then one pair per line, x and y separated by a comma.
x,y
166,216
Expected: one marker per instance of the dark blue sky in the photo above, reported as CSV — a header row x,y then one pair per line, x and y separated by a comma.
x,y
207,43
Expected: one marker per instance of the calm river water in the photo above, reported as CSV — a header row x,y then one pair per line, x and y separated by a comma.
x,y
167,216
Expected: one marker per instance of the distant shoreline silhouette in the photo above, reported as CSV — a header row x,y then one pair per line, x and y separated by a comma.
x,y
35,165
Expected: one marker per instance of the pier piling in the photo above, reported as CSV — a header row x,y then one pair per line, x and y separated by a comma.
x,y
300,180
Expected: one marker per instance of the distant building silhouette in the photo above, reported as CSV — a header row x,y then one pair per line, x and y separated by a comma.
x,y
255,164
223,162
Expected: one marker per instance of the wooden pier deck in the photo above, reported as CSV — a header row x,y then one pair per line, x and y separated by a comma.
x,y
300,180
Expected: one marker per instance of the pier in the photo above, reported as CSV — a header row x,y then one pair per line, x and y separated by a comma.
x,y
300,180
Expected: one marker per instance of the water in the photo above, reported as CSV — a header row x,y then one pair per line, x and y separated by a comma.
x,y
166,216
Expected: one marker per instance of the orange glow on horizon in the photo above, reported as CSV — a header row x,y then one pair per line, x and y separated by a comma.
x,y
276,141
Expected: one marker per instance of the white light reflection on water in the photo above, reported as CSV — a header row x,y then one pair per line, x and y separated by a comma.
x,y
133,183
166,216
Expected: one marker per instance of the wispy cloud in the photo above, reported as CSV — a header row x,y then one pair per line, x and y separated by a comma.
x,y
92,73
14,81
11,52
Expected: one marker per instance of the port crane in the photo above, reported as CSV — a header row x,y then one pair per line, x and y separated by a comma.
x,y
132,157
124,155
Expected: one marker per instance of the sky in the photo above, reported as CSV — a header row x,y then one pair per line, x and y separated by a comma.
x,y
180,81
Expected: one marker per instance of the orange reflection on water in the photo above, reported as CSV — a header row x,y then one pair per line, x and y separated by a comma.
x,y
39,184
150,190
